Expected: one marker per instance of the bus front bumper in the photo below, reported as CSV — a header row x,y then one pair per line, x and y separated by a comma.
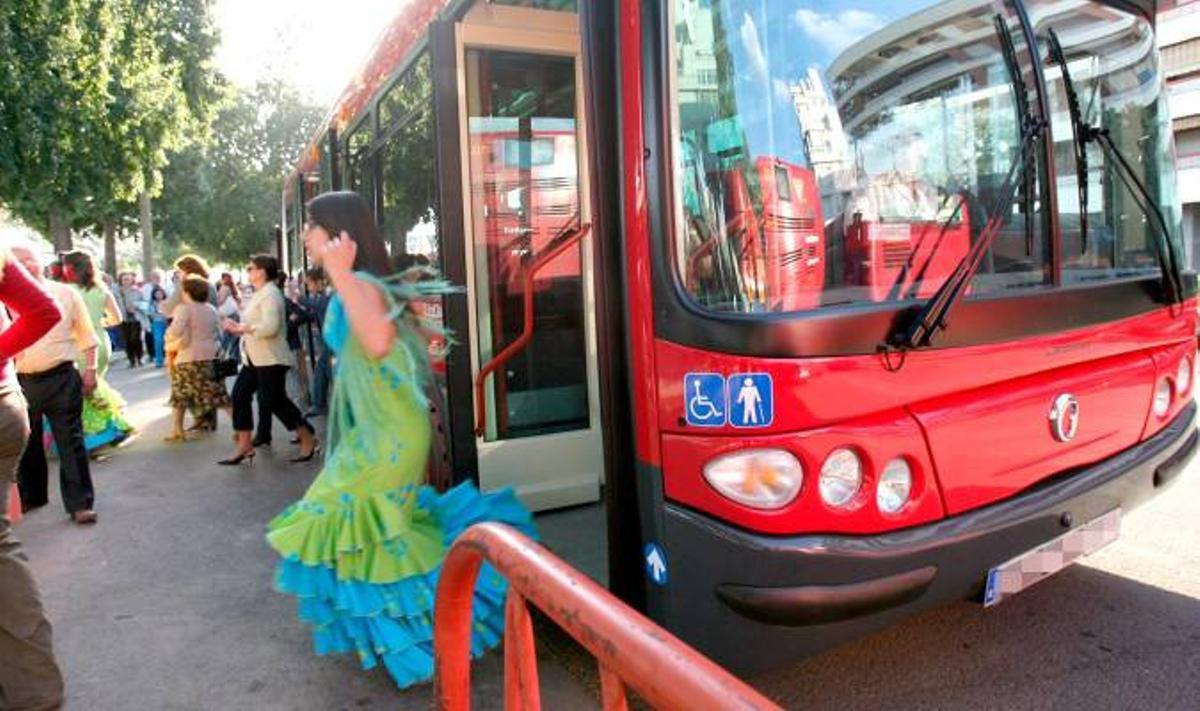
x,y
753,602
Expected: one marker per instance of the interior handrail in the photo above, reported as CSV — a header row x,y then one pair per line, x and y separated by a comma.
x,y
564,240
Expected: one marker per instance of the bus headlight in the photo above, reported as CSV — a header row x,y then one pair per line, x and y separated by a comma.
x,y
895,486
758,478
1183,375
841,477
1162,397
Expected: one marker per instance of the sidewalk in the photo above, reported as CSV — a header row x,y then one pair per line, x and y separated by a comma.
x,y
167,602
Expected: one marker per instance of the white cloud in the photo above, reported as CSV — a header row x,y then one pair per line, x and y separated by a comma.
x,y
754,50
836,32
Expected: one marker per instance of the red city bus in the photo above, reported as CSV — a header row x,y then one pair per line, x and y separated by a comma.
x,y
791,323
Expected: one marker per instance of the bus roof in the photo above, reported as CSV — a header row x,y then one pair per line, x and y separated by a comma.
x,y
393,45
406,31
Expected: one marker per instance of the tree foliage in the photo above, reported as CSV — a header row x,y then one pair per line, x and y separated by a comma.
x,y
94,94
221,198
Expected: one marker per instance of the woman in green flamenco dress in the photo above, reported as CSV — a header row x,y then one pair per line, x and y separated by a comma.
x,y
103,422
362,550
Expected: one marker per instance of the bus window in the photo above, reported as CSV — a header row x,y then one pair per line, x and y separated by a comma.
x,y
835,156
1119,87
358,172
407,164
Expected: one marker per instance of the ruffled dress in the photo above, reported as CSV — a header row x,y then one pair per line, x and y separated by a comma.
x,y
362,550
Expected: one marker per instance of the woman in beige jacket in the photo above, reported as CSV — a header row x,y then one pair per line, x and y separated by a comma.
x,y
194,337
265,361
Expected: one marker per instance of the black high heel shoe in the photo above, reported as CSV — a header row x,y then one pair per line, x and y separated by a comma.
x,y
246,456
308,457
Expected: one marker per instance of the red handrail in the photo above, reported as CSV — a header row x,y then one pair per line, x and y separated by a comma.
x,y
558,245
628,646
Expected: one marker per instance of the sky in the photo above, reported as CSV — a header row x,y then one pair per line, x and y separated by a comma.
x,y
315,45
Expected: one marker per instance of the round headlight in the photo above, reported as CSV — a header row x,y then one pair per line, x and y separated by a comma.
x,y
758,478
1162,397
1183,375
841,476
895,486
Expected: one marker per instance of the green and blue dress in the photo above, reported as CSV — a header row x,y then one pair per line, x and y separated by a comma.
x,y
362,550
104,422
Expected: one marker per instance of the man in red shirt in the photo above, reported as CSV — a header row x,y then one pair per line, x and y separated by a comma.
x,y
29,676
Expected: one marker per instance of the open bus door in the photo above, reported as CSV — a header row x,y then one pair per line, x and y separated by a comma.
x,y
524,192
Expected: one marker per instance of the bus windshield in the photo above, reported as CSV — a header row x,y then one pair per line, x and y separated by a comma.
x,y
829,154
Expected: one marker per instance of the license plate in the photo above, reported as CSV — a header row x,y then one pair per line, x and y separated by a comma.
x,y
1008,579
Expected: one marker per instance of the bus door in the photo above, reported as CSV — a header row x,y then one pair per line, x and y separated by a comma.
x,y
525,197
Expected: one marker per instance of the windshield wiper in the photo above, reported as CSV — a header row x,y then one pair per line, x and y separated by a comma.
x,y
934,315
1084,134
1021,104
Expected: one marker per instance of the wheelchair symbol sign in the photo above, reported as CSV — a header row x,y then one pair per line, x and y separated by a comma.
x,y
704,399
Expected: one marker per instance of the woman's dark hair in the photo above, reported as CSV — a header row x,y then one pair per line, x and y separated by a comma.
x,y
347,211
160,294
269,265
191,264
81,263
196,287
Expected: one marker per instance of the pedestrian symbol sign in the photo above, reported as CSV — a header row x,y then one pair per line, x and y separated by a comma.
x,y
751,400
705,399
656,563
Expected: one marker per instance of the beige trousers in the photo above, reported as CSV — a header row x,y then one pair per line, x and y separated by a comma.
x,y
29,675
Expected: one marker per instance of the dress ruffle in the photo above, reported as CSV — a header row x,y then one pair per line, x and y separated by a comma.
x,y
365,571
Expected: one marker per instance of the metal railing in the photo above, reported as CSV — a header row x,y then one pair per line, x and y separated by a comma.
x,y
629,648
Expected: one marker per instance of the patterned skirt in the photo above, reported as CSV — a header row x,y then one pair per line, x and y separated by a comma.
x,y
196,388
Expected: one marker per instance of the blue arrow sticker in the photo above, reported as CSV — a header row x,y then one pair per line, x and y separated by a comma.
x,y
656,563
704,399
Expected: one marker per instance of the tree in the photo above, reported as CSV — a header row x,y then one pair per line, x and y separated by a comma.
x,y
221,197
54,77
93,96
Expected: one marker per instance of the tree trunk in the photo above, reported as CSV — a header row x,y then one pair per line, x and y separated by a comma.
x,y
60,233
147,235
110,247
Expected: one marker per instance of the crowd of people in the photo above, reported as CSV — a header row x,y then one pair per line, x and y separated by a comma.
x,y
362,550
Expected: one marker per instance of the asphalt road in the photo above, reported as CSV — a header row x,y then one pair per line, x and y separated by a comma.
x,y
166,604
1120,630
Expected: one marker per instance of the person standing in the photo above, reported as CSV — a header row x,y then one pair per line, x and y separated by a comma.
x,y
265,362
103,422
29,675
130,301
191,265
375,593
316,301
194,336
158,324
54,388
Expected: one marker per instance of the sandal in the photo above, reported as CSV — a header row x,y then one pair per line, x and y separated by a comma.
x,y
173,438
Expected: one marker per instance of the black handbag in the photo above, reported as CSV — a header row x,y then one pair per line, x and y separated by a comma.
x,y
226,364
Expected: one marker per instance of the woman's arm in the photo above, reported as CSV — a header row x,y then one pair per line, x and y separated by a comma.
x,y
177,332
365,305
112,312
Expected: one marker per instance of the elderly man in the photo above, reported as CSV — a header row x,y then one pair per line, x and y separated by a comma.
x,y
54,389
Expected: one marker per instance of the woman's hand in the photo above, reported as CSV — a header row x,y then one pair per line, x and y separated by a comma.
x,y
231,326
337,256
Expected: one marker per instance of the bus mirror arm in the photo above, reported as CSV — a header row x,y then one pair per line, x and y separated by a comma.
x,y
571,235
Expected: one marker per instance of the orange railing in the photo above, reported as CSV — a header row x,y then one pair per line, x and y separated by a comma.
x,y
629,648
